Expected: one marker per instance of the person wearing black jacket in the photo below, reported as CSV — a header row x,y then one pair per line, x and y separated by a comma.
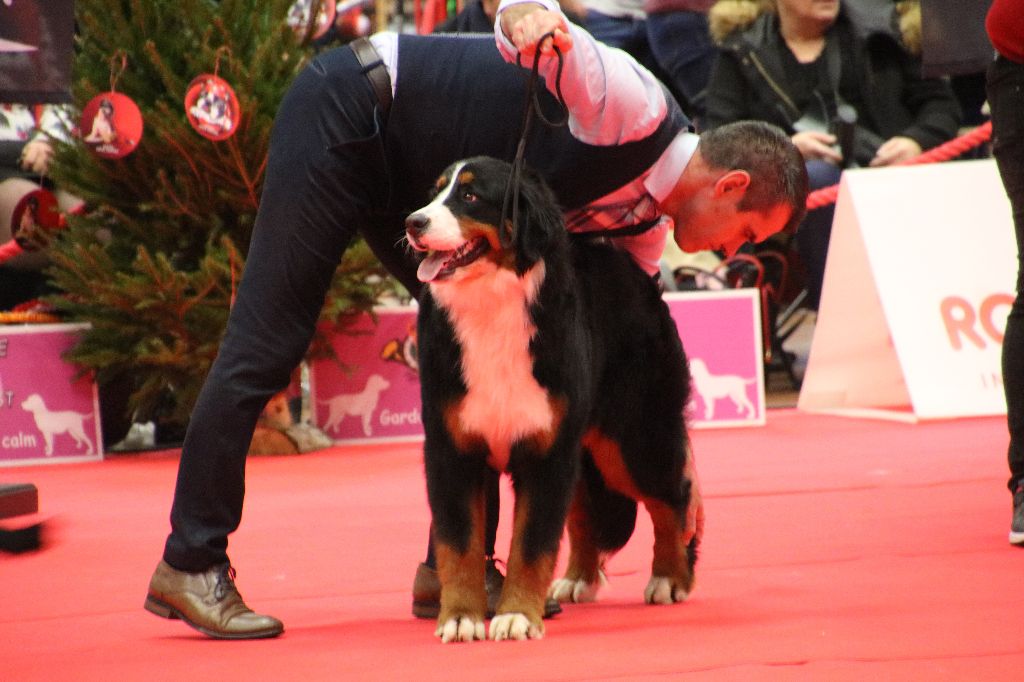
x,y
804,63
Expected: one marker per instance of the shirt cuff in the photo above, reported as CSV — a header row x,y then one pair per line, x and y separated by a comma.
x,y
505,45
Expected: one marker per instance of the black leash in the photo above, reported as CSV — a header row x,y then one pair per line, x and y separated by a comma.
x,y
532,105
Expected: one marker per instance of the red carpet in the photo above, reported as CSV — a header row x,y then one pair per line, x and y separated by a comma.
x,y
835,549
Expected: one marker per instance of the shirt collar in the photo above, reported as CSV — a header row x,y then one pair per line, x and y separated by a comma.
x,y
665,172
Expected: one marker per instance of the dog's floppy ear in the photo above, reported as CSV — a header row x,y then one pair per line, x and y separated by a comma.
x,y
540,222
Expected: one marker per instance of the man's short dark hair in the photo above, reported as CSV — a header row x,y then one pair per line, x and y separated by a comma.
x,y
777,170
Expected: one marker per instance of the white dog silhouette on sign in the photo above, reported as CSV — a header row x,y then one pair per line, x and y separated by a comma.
x,y
714,387
362,405
53,423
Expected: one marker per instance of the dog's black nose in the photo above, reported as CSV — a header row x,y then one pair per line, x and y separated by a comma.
x,y
416,224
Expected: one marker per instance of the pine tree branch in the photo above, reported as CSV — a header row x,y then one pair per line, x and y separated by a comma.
x,y
243,173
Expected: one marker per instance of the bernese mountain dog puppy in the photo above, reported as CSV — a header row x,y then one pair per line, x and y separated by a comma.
x,y
554,360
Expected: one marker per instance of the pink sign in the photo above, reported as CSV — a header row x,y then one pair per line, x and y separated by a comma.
x,y
45,414
721,334
375,395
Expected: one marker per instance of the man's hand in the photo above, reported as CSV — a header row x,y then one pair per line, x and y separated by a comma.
x,y
36,156
694,527
525,24
895,150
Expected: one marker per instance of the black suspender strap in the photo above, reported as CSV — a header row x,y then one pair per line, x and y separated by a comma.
x,y
375,72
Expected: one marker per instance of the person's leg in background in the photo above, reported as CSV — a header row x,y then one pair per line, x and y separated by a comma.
x,y
814,232
681,45
621,32
1006,100
627,33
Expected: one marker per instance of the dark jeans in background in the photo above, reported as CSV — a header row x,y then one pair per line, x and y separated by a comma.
x,y
1006,99
680,43
626,33
816,230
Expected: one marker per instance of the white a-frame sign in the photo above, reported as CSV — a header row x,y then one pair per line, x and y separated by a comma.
x,y
921,270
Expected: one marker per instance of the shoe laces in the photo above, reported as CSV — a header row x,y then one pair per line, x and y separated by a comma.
x,y
225,582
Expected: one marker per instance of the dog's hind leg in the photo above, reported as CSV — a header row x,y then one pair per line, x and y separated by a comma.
x,y
672,574
81,439
743,405
600,523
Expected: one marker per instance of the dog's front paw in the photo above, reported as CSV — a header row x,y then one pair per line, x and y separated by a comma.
x,y
663,590
460,629
577,591
514,626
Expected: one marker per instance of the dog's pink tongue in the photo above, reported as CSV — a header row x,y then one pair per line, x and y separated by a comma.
x,y
431,265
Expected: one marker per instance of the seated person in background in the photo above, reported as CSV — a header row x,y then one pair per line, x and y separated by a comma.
x,y
793,63
680,43
477,16
25,157
669,37
618,23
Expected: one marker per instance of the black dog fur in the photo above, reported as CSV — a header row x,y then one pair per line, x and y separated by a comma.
x,y
591,422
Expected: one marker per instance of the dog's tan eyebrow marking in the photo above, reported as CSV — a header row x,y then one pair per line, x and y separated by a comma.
x,y
466,177
441,182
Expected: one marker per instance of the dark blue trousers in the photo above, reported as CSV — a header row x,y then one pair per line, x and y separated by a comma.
x,y
814,233
326,181
1006,98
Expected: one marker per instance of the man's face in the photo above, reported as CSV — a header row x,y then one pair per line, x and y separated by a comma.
x,y
719,225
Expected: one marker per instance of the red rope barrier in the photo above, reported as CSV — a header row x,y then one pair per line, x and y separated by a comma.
x,y
10,249
944,152
816,199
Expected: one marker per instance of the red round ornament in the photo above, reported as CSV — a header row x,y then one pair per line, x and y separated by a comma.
x,y
299,16
36,211
212,107
111,125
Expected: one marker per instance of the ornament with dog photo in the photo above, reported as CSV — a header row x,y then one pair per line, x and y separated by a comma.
x,y
212,107
299,17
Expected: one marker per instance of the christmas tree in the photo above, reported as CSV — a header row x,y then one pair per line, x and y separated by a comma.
x,y
152,263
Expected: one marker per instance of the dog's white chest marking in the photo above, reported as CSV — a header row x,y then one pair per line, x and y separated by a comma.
x,y
504,403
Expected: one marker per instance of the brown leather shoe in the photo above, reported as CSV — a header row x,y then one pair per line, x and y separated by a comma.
x,y
207,601
426,592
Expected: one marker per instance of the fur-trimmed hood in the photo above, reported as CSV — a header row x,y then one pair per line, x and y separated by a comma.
x,y
868,16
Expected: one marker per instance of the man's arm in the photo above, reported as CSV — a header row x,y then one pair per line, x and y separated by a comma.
x,y
611,98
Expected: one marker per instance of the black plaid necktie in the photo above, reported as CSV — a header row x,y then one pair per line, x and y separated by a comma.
x,y
620,219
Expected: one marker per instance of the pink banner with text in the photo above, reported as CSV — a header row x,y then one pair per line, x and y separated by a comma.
x,y
46,415
371,393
